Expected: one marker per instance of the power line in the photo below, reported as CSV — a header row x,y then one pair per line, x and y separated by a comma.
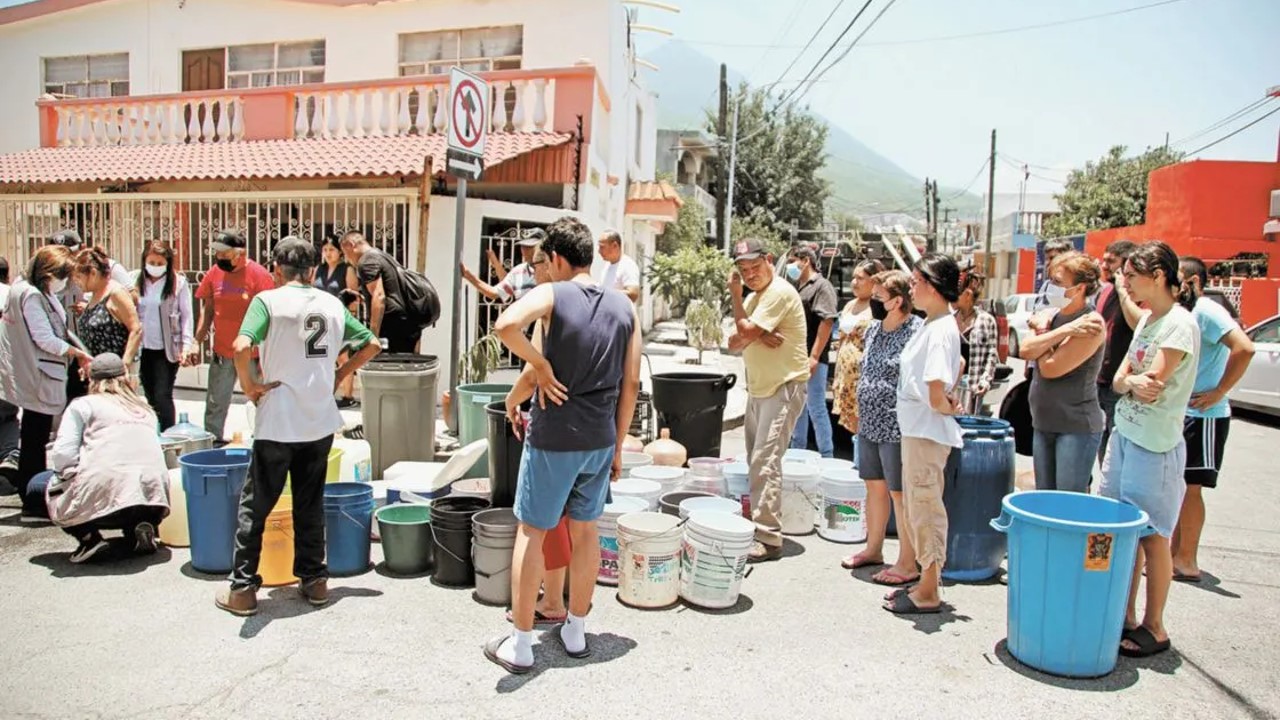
x,y
1226,120
1235,132
849,49
830,48
976,175
812,37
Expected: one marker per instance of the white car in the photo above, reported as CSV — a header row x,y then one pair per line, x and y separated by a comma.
x,y
1259,389
1017,308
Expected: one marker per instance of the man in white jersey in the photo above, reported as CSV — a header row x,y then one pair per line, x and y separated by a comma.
x,y
299,331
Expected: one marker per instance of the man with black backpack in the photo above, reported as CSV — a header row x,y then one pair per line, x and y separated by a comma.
x,y
401,301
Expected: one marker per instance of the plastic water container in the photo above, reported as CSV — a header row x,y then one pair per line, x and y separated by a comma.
x,y
212,481
977,478
473,418
670,478
275,565
357,460
713,558
669,503
707,466
737,479
801,498
649,559
399,408
1071,560
633,460
348,521
332,470
647,490
801,456
405,529
173,529
708,504
838,464
844,505
712,485
495,541
606,527
451,535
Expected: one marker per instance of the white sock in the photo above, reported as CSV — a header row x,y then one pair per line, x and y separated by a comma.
x,y
574,633
517,649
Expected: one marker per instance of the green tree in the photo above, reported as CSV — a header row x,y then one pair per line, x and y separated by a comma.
x,y
1107,193
688,231
773,240
780,154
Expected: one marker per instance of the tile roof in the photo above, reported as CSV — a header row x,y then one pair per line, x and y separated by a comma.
x,y
644,190
265,159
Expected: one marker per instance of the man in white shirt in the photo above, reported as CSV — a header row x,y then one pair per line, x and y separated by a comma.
x,y
517,281
616,271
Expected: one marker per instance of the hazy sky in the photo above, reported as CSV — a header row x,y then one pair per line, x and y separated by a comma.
x,y
1057,96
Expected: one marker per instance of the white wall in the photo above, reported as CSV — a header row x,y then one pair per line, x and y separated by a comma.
x,y
361,42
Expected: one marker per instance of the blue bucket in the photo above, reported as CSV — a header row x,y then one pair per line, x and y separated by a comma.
x,y
213,481
1071,560
348,520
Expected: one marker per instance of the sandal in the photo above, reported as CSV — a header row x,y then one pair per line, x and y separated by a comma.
x,y
902,604
893,579
491,652
1146,642
1185,577
853,562
539,618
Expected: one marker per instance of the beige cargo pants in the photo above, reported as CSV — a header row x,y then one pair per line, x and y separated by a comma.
x,y
768,426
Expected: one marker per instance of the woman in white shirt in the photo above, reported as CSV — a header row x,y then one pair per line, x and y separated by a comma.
x,y
926,409
164,305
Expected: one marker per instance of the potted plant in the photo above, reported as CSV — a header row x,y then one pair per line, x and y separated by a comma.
x,y
474,366
703,322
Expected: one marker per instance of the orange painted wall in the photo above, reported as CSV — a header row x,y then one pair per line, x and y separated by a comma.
x,y
1026,271
1259,300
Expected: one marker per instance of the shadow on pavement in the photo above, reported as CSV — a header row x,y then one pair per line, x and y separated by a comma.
x,y
1247,706
548,654
118,560
1124,676
381,569
791,548
282,603
1211,583
188,571
932,623
743,605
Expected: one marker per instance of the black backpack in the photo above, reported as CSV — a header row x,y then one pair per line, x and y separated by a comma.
x,y
421,301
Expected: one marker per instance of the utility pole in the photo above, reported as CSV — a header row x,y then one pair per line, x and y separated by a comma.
x,y
936,202
733,168
722,128
991,202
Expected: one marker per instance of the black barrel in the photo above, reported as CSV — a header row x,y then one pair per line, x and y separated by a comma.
x,y
691,406
504,456
451,540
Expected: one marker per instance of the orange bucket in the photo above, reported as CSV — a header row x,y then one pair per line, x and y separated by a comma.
x,y
276,563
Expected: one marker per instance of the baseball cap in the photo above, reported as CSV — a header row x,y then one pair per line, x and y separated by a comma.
x,y
748,249
67,238
532,237
106,366
295,252
225,240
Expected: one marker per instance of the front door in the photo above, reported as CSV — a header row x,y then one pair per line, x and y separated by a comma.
x,y
203,70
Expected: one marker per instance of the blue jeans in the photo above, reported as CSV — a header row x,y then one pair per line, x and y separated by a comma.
x,y
815,410
1064,461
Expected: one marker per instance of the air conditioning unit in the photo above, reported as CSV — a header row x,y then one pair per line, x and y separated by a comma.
x,y
1275,204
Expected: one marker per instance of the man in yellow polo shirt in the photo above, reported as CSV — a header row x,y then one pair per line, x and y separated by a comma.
x,y
770,332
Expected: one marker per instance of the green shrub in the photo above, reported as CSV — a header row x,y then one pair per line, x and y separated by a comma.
x,y
700,273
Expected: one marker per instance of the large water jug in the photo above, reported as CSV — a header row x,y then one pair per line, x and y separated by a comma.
x,y
185,429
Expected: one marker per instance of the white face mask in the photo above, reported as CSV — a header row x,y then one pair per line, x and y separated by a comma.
x,y
156,271
1056,296
57,285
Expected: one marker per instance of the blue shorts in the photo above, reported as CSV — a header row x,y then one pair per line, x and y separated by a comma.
x,y
552,483
1151,481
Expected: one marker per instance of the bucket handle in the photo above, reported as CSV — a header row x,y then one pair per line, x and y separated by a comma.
x,y
654,536
414,498
728,381
442,546
999,526
480,572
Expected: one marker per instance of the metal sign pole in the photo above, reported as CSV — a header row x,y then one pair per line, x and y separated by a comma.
x,y
459,233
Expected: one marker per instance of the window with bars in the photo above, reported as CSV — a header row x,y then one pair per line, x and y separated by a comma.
x,y
475,50
274,64
87,76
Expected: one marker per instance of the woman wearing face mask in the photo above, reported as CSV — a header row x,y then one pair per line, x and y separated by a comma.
x,y
167,336
333,276
853,322
35,348
979,338
879,437
109,323
1065,414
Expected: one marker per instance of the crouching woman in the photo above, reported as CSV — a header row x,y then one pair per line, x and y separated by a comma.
x,y
109,470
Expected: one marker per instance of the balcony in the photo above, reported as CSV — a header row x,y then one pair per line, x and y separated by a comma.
x,y
532,101
699,196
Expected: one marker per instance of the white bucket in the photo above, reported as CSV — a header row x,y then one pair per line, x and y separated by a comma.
x,y
670,478
647,490
631,461
801,498
714,557
709,504
826,465
844,505
737,480
649,559
607,528
707,466
802,456
704,483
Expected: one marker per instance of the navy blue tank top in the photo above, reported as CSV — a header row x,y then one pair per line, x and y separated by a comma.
x,y
587,347
332,282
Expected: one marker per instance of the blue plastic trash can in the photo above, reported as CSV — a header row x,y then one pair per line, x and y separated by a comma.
x,y
213,480
1070,564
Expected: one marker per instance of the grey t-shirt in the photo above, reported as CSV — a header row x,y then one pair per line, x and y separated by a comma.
x,y
1068,404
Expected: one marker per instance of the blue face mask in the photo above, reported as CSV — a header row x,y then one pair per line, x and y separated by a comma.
x,y
793,272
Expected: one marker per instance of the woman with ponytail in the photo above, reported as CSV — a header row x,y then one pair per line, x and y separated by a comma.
x,y
1146,455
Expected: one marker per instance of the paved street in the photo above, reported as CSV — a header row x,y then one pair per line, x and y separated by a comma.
x,y
141,638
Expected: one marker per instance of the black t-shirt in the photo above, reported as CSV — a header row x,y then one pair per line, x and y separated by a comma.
x,y
819,299
375,264
1119,335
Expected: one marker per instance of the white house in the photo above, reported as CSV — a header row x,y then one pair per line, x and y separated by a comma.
x,y
139,120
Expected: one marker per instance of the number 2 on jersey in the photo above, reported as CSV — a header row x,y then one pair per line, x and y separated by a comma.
x,y
316,329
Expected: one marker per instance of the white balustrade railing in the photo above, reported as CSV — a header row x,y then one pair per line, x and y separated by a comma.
x,y
162,122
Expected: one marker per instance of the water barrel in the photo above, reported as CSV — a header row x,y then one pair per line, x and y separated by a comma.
x,y
1071,561
398,408
505,451
451,537
691,405
213,480
977,477
473,418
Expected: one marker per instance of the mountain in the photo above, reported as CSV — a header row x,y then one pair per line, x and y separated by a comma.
x,y
862,180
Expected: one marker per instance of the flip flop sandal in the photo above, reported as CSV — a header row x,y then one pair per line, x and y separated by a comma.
x,y
540,619
1185,578
896,581
858,562
491,652
1146,642
902,604
895,593
585,652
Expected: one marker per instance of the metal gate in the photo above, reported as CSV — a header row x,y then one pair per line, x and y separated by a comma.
x,y
502,243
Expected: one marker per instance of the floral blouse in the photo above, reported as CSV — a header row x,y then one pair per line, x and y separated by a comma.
x,y
878,384
844,388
